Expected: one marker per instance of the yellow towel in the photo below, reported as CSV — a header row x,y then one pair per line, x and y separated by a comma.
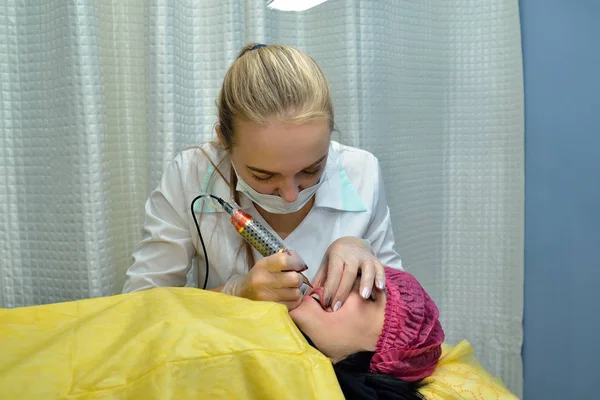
x,y
163,343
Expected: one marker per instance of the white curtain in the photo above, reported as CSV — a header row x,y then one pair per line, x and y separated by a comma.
x,y
96,97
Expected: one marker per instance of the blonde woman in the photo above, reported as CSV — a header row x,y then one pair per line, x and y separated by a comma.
x,y
275,158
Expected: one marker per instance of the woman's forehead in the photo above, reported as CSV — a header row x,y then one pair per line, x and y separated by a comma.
x,y
302,142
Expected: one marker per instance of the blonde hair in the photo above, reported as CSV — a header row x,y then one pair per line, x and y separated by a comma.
x,y
266,81
273,80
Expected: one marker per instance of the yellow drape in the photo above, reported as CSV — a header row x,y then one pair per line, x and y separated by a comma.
x,y
185,343
164,343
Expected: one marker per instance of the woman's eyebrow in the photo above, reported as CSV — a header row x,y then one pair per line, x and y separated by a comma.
x,y
264,171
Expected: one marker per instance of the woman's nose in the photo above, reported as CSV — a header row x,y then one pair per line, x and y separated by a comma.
x,y
289,190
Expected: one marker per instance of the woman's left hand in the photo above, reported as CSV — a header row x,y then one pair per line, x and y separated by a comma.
x,y
340,267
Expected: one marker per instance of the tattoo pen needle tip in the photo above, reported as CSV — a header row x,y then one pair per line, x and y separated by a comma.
x,y
306,281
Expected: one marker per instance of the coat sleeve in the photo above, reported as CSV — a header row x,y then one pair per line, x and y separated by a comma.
x,y
164,255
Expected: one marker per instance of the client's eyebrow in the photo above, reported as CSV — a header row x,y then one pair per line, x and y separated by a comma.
x,y
264,171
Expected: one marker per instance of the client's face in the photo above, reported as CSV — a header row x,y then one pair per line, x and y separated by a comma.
x,y
356,326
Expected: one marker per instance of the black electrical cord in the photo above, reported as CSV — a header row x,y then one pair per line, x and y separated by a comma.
x,y
200,234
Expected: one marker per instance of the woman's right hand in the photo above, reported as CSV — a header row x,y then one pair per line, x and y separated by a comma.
x,y
273,278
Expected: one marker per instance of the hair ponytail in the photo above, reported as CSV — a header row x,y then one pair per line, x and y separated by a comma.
x,y
359,384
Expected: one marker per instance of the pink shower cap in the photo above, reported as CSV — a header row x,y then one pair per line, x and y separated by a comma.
x,y
411,341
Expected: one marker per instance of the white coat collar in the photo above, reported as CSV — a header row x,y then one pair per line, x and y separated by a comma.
x,y
336,192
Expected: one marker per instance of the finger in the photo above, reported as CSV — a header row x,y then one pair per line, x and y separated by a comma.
x,y
346,285
334,271
367,279
319,278
288,279
379,276
291,304
321,275
287,294
288,260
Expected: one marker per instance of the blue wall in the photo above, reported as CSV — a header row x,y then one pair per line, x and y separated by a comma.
x,y
561,49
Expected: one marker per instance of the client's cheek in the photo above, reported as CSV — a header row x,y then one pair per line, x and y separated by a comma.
x,y
300,316
306,317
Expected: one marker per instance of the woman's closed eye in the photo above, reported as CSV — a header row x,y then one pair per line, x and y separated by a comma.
x,y
312,171
267,178
262,178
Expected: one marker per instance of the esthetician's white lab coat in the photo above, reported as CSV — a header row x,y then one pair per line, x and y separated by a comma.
x,y
350,202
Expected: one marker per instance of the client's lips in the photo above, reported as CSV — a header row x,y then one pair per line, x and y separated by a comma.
x,y
316,293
